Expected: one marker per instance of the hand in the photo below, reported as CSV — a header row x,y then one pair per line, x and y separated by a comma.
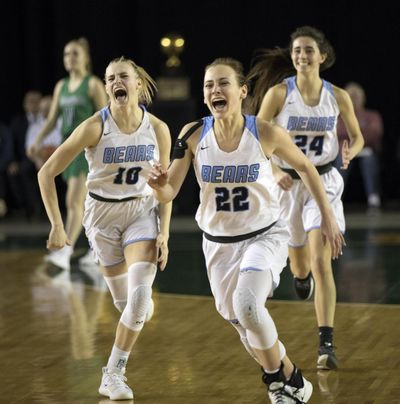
x,y
157,177
162,246
33,151
57,238
345,155
331,233
284,180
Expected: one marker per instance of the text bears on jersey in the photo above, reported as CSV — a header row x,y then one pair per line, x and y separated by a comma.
x,y
126,154
230,174
310,123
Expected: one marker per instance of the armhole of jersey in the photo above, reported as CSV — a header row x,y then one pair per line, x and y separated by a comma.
x,y
251,125
328,87
104,114
64,84
290,85
87,79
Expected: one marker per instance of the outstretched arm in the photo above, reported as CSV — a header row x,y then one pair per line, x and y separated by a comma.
x,y
85,135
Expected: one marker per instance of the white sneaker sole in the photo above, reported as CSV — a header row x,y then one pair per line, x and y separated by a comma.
x,y
53,260
326,363
122,396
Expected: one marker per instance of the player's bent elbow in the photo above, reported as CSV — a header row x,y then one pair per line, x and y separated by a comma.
x,y
162,197
305,168
41,175
44,175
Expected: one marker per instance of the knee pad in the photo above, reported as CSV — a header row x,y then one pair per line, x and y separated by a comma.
x,y
120,305
246,309
243,338
282,350
135,312
140,279
150,311
248,348
118,286
253,316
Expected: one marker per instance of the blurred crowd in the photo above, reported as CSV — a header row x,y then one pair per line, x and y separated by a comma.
x,y
19,191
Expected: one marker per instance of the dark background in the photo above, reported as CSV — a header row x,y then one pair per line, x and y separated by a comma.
x,y
365,38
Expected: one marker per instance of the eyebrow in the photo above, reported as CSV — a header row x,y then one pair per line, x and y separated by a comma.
x,y
117,74
220,78
306,47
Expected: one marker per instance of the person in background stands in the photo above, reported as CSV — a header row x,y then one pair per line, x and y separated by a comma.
x,y
21,170
75,99
51,141
372,129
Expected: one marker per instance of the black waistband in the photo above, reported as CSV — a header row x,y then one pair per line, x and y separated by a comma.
x,y
236,239
102,199
321,170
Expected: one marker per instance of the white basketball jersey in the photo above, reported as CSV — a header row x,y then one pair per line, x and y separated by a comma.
x,y
313,129
236,194
119,163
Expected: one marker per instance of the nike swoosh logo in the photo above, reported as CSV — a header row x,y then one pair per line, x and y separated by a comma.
x,y
205,147
106,133
291,102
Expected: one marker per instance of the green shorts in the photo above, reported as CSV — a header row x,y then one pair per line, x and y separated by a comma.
x,y
77,166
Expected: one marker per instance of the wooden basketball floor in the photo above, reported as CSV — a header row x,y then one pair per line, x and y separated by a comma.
x,y
56,332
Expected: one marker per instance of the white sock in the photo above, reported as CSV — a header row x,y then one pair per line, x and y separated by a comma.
x,y
270,372
66,250
118,359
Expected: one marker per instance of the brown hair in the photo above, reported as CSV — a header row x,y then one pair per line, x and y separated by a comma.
x,y
236,66
271,66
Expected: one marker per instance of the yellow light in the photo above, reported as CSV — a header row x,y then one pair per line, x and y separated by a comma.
x,y
179,42
165,42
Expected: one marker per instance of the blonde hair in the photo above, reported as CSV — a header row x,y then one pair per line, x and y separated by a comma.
x,y
148,88
84,44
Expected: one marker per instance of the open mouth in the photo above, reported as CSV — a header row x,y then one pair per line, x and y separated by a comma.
x,y
219,104
120,94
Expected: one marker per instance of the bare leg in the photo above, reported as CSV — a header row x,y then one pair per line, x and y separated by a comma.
x,y
325,289
75,201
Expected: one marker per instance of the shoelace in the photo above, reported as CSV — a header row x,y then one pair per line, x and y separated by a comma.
x,y
280,393
119,380
278,396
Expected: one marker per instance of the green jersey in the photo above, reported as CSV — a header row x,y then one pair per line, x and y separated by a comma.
x,y
75,106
